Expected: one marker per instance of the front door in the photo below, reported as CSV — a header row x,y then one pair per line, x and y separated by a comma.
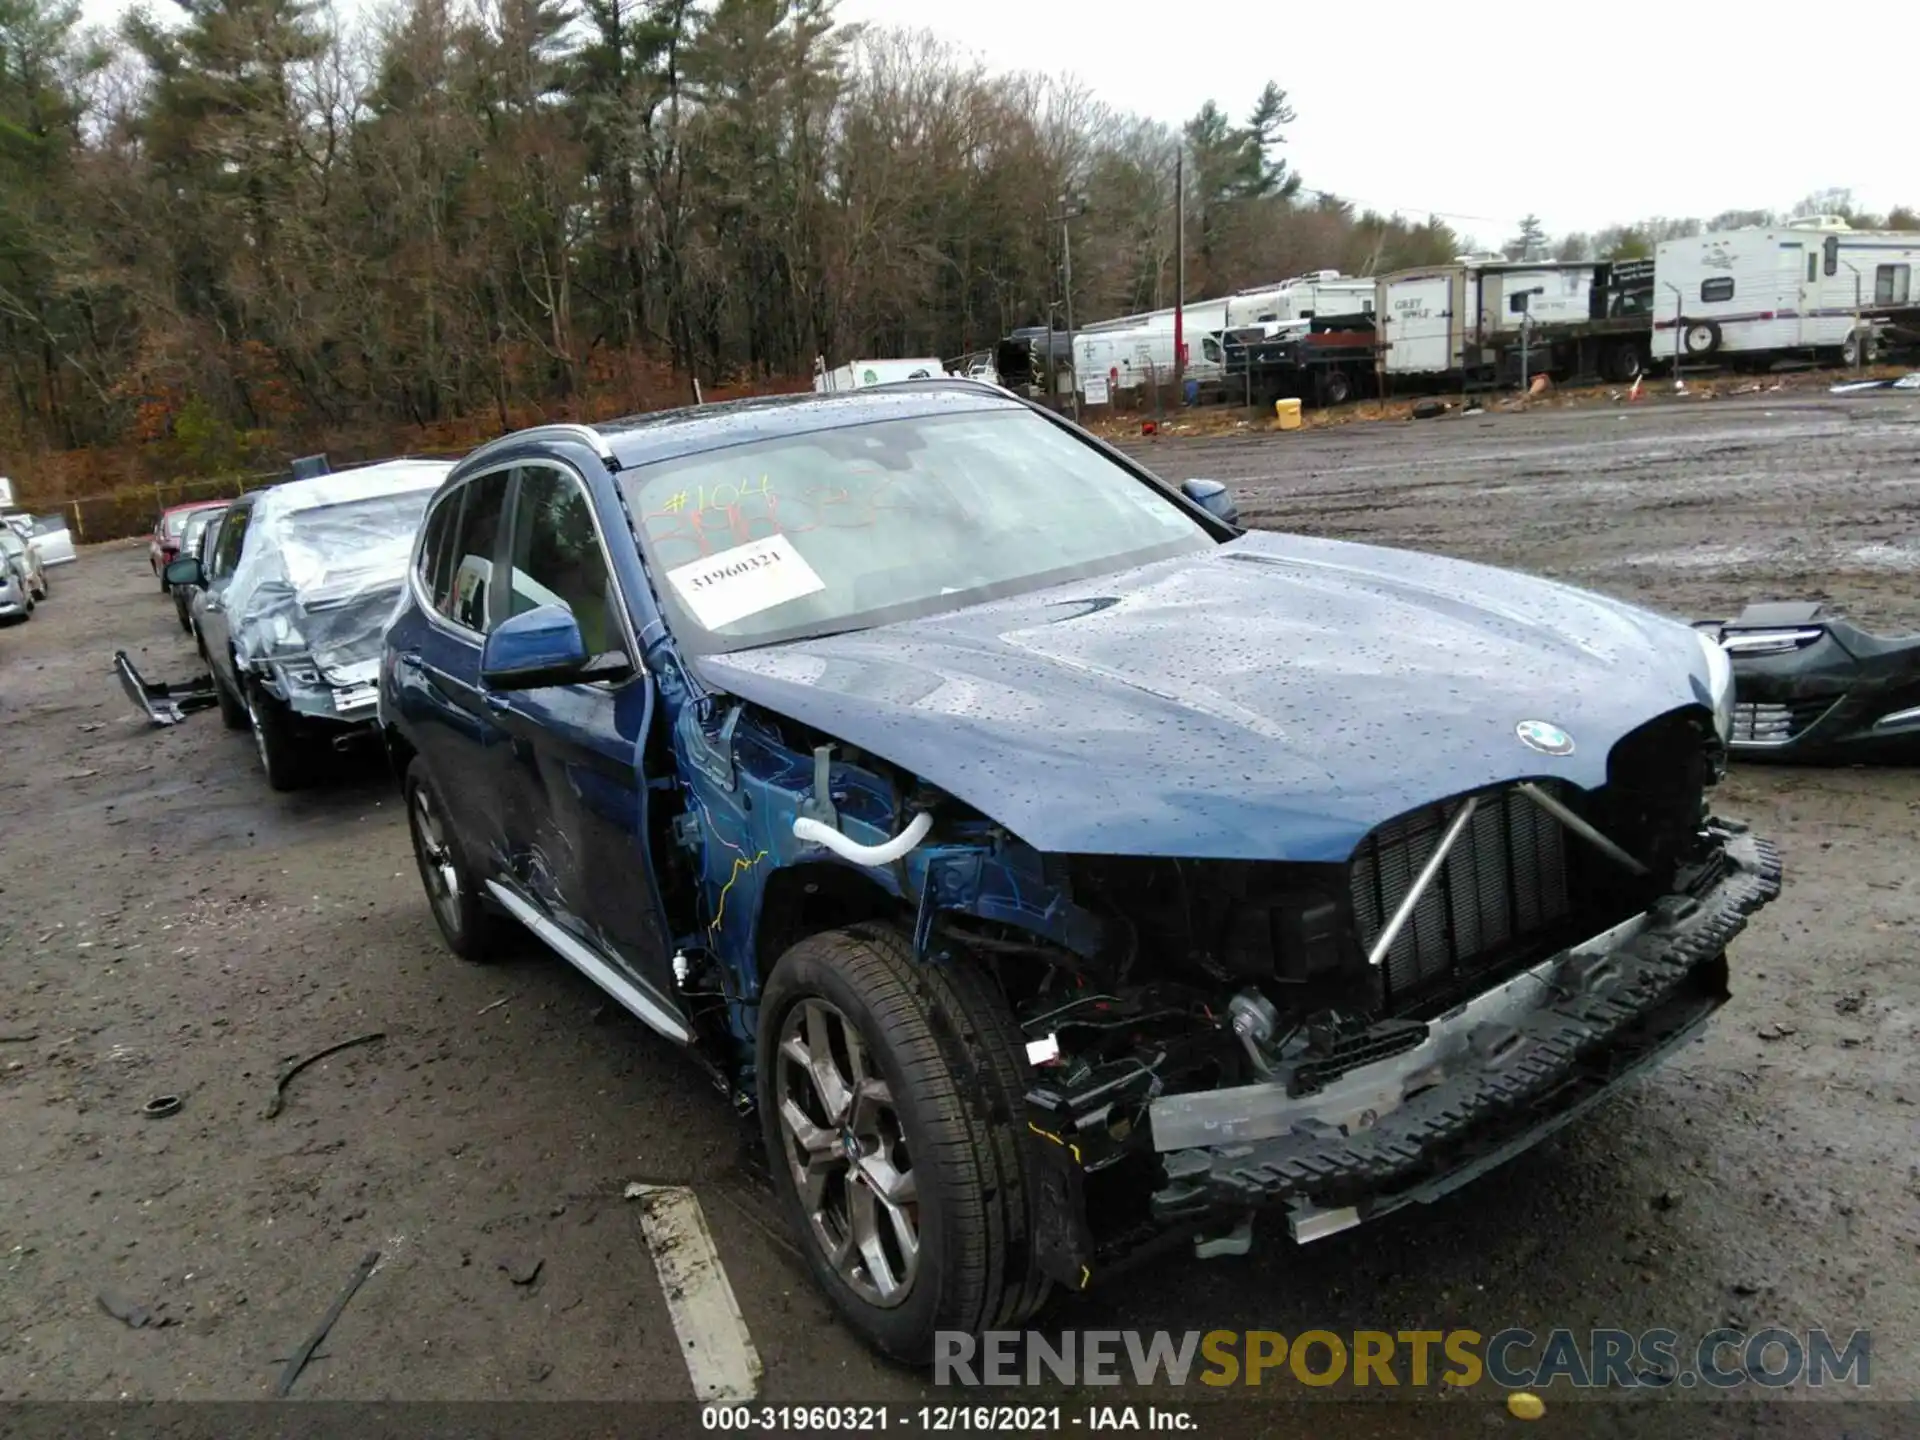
x,y
576,806
1799,277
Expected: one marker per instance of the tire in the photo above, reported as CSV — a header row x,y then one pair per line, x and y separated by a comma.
x,y
1852,344
471,930
186,618
233,710
1623,363
941,1046
287,758
1336,387
1700,338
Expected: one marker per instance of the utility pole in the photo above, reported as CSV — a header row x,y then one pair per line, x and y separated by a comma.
x,y
1180,272
1069,208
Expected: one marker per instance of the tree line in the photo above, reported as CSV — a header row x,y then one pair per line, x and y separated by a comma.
x,y
242,226
246,219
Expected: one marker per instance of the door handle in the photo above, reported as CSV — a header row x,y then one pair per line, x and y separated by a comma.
x,y
411,659
494,700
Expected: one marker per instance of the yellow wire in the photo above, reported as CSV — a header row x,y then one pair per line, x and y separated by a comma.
x,y
740,867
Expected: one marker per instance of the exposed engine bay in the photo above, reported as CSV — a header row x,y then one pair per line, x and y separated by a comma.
x,y
1171,1005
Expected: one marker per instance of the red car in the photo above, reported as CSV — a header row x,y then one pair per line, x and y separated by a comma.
x,y
163,547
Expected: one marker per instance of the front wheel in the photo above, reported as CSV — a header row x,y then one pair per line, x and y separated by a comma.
x,y
890,1100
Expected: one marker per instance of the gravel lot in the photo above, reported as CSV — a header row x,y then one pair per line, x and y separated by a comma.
x,y
170,926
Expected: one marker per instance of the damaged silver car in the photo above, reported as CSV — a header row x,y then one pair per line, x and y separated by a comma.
x,y
290,606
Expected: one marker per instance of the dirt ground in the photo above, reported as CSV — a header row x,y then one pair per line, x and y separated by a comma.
x,y
170,926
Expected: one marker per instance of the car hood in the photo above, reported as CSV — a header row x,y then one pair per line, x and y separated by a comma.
x,y
1276,697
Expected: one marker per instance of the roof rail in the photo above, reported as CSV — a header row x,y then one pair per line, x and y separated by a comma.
x,y
560,430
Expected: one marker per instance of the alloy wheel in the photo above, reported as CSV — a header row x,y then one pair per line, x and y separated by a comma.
x,y
847,1152
437,867
259,731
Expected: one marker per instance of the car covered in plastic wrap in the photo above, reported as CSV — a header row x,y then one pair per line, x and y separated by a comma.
x,y
1056,869
289,612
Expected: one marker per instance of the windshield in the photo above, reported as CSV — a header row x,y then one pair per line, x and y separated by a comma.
x,y
862,525
174,522
11,543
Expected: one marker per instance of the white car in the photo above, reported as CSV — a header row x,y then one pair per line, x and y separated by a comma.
x,y
16,551
47,535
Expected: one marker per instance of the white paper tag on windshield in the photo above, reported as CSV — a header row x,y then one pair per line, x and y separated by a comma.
x,y
744,581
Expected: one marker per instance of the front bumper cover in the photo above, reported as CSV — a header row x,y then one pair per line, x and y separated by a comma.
x,y
1494,1077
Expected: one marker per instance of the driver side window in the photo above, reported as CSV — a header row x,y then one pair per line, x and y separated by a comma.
x,y
557,557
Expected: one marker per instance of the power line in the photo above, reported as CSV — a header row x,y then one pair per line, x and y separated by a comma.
x,y
1400,209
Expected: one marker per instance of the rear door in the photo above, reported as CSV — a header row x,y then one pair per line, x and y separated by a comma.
x,y
450,721
575,809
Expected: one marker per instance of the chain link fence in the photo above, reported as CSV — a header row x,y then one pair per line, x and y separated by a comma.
x,y
132,511
115,516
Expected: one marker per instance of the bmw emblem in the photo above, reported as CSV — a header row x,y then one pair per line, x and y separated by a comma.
x,y
1546,738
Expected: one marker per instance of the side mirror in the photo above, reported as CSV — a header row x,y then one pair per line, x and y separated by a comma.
x,y
543,647
185,572
1213,497
538,647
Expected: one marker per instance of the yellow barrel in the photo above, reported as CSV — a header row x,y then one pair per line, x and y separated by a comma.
x,y
1286,414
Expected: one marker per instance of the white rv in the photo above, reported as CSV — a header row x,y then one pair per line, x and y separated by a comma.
x,y
858,374
1768,290
1131,343
1323,293
1469,319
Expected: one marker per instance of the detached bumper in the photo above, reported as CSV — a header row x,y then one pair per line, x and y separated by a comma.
x,y
1493,1077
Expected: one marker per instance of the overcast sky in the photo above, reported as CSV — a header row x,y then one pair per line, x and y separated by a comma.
x,y
1586,115
1684,108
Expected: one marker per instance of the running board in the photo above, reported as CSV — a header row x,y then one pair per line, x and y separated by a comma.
x,y
589,964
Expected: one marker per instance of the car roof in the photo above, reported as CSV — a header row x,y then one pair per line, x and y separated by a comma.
x,y
194,505
694,429
362,482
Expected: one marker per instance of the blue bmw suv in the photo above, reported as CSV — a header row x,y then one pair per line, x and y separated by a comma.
x,y
1051,865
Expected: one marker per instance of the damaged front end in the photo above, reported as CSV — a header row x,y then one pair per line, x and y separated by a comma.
x,y
1210,1037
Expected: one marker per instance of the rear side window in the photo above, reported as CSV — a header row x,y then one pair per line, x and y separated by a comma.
x,y
1719,288
557,557
468,595
435,566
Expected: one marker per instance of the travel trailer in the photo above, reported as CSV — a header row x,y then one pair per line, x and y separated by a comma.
x,y
1305,297
1473,320
858,374
1753,295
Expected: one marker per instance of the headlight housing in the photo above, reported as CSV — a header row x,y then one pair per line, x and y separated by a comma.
x,y
1719,684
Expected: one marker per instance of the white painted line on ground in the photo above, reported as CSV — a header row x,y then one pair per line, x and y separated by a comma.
x,y
721,1360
